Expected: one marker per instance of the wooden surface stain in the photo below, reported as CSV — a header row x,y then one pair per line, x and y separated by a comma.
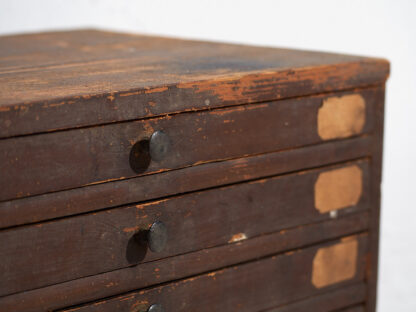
x,y
335,263
338,188
341,117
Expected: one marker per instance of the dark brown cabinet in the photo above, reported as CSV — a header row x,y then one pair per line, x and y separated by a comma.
x,y
153,174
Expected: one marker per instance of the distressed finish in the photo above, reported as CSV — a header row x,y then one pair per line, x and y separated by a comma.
x,y
134,277
244,285
61,250
102,154
99,196
187,175
115,282
126,77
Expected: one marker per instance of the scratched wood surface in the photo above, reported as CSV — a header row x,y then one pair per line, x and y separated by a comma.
x,y
239,288
90,244
78,157
63,80
142,188
173,268
114,89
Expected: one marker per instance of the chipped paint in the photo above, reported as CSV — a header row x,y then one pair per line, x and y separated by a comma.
x,y
223,112
156,90
155,202
131,229
54,104
237,237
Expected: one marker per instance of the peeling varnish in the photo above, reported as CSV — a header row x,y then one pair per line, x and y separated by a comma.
x,y
111,97
139,304
338,188
130,93
222,112
242,108
148,128
127,298
155,202
55,104
156,90
131,229
229,88
336,263
239,86
341,116
237,237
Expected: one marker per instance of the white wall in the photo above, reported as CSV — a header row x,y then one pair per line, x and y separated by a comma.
x,y
374,28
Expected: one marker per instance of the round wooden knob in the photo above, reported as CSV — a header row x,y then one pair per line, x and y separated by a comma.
x,y
159,145
156,308
157,236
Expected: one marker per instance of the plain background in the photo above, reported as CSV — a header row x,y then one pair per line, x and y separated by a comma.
x,y
374,28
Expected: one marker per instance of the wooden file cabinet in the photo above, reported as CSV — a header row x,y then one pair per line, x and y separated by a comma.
x,y
153,174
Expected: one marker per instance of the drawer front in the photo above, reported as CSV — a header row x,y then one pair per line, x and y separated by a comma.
x,y
70,248
66,159
144,188
331,301
95,287
254,286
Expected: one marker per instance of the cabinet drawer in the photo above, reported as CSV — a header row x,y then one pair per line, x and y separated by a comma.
x,y
289,277
89,244
331,301
67,159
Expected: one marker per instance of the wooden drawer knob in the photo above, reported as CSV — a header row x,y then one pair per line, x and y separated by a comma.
x,y
156,308
157,237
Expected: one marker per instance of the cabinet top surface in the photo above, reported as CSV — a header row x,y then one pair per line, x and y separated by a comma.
x,y
56,65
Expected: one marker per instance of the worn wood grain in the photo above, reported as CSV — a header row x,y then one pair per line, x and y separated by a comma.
x,y
51,162
329,301
90,244
108,77
235,114
134,277
142,188
287,276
